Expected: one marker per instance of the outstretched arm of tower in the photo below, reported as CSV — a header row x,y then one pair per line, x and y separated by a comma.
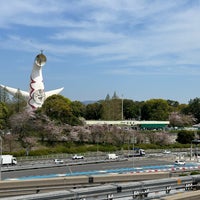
x,y
52,92
13,91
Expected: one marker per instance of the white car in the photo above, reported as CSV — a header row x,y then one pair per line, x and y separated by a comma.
x,y
179,162
58,161
166,152
76,157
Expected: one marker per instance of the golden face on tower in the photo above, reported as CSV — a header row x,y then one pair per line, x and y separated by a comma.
x,y
40,60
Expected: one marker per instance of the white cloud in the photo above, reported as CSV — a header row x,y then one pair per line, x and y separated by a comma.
x,y
139,33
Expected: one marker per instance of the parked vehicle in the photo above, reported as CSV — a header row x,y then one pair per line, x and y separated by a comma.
x,y
58,161
77,157
112,156
179,162
8,160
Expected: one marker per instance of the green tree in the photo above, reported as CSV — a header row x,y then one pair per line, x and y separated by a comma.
x,y
93,111
78,108
155,109
59,108
185,137
4,114
112,109
182,108
194,108
131,109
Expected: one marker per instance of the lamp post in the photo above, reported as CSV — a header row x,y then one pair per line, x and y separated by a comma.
x,y
97,145
133,147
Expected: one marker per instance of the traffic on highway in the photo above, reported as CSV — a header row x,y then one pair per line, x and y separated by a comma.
x,y
92,165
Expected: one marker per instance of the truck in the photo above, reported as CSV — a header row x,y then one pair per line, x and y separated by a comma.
x,y
112,156
8,160
137,152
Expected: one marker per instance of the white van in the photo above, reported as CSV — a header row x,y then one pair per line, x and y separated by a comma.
x,y
112,156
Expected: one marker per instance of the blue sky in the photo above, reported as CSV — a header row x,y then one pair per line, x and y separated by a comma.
x,y
141,49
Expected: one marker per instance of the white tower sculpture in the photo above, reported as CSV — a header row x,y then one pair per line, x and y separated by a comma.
x,y
36,95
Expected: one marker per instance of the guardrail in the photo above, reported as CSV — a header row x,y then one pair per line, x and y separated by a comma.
x,y
93,154
135,190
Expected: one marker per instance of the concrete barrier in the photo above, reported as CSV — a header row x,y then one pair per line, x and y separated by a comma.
x,y
19,187
136,190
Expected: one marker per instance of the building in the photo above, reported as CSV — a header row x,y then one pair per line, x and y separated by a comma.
x,y
132,123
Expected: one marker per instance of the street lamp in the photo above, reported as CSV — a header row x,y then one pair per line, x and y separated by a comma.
x,y
191,152
133,147
97,145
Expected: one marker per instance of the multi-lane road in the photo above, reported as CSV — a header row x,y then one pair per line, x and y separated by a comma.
x,y
25,170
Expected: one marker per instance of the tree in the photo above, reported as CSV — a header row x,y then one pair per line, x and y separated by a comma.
x,y
155,109
131,109
112,109
107,97
182,108
181,120
21,124
28,143
9,141
78,108
115,96
3,115
93,111
185,137
52,132
194,108
59,108
159,138
18,102
47,130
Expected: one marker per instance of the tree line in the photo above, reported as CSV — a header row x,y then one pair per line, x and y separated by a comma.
x,y
63,110
62,120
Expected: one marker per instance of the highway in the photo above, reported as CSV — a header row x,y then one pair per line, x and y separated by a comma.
x,y
50,168
31,170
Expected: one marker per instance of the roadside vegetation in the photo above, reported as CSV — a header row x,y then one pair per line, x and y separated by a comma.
x,y
59,125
